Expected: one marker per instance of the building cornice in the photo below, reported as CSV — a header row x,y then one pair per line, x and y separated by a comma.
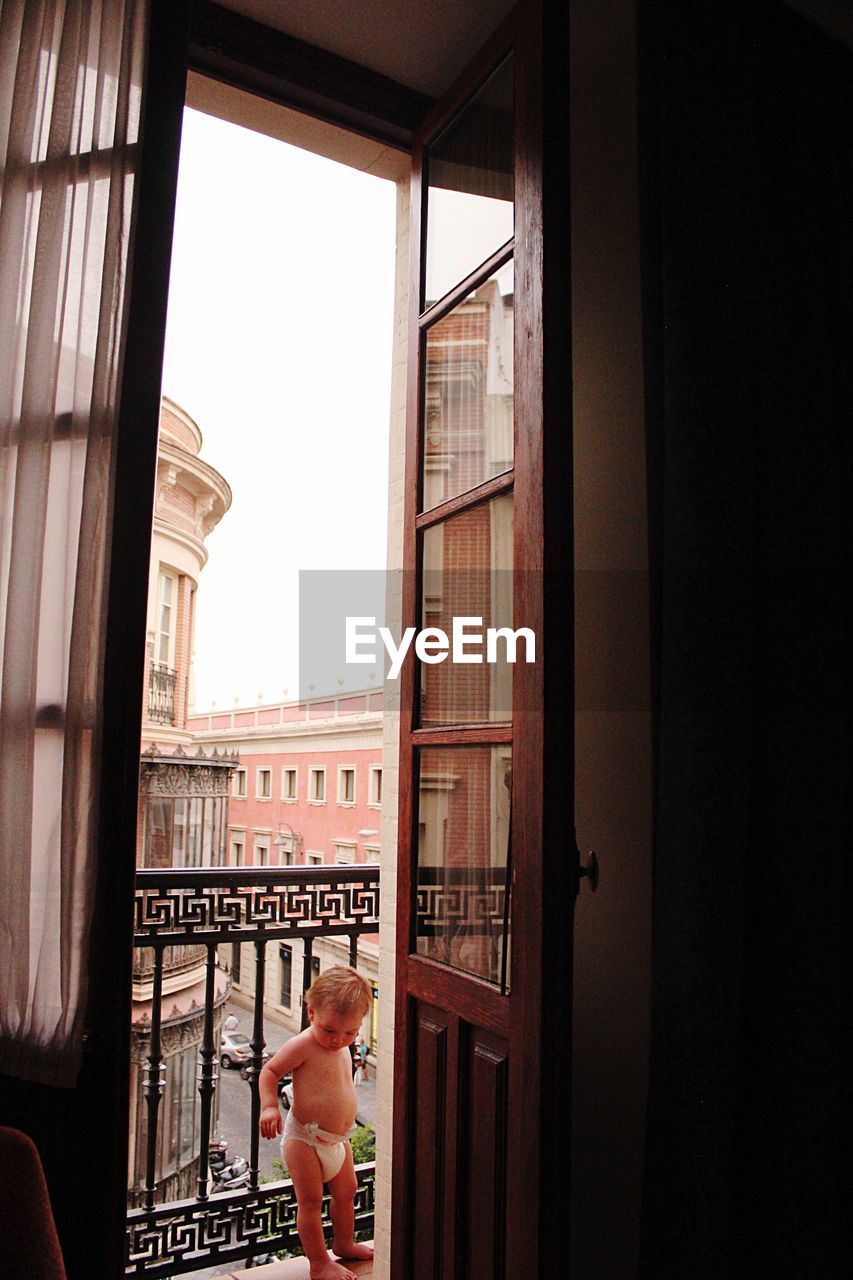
x,y
170,533
198,476
275,733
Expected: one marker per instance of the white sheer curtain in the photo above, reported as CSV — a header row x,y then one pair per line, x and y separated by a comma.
x,y
70,94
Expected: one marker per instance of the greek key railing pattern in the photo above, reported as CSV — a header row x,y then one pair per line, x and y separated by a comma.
x,y
188,1235
221,905
462,919
469,899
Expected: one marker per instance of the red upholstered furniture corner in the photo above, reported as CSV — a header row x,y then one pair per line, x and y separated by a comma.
x,y
28,1239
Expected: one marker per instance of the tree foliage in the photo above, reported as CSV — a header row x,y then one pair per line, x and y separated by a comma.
x,y
363,1145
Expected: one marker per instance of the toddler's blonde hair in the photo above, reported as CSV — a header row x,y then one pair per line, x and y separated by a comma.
x,y
342,990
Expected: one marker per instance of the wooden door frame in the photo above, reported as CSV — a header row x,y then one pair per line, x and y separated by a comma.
x,y
124,648
540,1034
241,52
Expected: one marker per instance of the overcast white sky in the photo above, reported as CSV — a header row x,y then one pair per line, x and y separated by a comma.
x,y
278,344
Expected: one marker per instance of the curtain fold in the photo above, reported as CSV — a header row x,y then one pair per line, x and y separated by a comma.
x,y
70,95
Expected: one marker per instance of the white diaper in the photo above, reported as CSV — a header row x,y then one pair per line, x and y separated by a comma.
x,y
330,1147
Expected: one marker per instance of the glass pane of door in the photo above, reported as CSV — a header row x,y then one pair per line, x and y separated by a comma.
x,y
467,412
463,864
467,596
470,186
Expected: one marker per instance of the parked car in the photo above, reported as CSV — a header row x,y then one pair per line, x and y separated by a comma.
x,y
235,1050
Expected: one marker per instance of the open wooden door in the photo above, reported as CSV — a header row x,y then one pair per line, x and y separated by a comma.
x,y
488,871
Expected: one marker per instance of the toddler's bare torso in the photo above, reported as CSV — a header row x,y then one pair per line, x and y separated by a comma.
x,y
323,1090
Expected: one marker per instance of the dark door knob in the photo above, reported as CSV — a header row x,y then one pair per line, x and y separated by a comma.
x,y
590,870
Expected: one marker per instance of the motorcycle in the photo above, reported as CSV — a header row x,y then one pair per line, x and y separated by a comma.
x,y
216,1151
226,1172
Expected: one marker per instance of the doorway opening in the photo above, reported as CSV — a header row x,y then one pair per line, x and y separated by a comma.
x,y
281,376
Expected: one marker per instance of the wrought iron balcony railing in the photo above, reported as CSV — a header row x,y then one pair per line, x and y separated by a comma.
x,y
207,908
161,694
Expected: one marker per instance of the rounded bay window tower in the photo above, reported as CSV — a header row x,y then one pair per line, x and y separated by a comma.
x,y
183,801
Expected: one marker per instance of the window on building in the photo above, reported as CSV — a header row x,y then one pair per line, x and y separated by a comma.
x,y
314,859
375,791
189,1121
238,853
166,604
183,831
238,786
288,784
235,963
167,1132
262,853
317,786
345,852
285,971
284,845
346,785
263,784
158,814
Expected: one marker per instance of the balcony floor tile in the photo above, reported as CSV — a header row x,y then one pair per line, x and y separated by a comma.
x,y
295,1269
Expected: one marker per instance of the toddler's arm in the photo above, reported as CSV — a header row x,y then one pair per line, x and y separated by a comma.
x,y
285,1059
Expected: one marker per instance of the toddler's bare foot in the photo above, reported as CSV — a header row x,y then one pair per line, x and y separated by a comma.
x,y
330,1270
353,1252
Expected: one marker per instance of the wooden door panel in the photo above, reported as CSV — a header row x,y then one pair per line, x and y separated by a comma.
x,y
430,1086
459,1136
482,1155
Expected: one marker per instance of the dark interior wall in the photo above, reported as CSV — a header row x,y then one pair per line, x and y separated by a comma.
x,y
748,253
612,945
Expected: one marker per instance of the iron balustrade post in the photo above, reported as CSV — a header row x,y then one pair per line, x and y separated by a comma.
x,y
154,1078
207,1072
257,1044
353,950
307,961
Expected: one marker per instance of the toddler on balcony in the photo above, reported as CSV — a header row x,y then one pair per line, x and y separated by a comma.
x,y
315,1146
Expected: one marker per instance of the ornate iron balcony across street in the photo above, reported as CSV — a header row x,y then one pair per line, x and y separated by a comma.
x,y
161,694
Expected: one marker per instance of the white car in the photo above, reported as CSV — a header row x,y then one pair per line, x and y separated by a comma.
x,y
235,1049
